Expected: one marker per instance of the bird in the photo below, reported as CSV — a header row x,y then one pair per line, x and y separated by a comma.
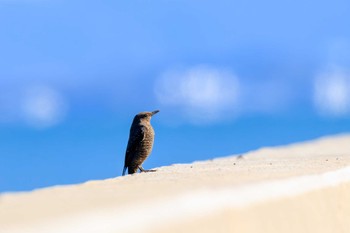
x,y
140,142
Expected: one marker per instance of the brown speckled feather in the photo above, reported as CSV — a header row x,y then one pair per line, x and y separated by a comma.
x,y
140,142
137,135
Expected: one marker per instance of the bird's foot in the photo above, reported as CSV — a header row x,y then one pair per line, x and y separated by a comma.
x,y
150,170
144,170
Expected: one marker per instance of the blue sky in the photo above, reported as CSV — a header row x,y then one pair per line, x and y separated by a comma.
x,y
228,77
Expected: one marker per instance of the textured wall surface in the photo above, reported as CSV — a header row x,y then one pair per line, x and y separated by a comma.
x,y
303,187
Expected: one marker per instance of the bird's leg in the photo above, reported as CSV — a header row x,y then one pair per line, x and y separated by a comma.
x,y
144,170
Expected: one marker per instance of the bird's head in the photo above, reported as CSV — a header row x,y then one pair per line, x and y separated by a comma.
x,y
145,116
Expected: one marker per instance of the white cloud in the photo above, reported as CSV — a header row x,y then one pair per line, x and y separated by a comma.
x,y
267,96
202,93
332,93
42,106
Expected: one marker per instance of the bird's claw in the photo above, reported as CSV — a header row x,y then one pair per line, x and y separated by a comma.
x,y
150,170
144,170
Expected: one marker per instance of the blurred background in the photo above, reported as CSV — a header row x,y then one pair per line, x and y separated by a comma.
x,y
228,77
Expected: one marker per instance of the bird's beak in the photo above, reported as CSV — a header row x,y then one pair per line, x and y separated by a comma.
x,y
155,112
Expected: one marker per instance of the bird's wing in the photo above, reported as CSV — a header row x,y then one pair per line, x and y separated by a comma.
x,y
137,135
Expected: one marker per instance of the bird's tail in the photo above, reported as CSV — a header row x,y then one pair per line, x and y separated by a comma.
x,y
124,170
